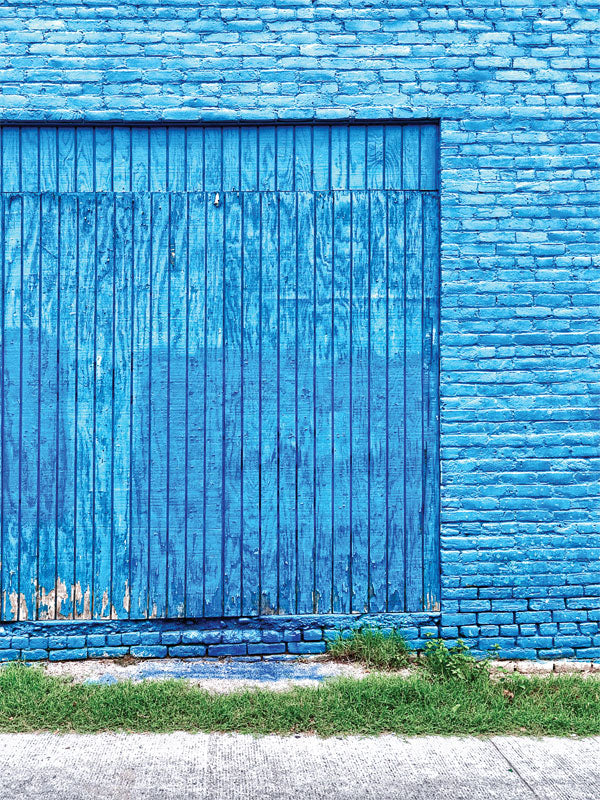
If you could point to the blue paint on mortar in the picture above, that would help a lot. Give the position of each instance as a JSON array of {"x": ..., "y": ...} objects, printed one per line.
[{"x": 516, "y": 88}]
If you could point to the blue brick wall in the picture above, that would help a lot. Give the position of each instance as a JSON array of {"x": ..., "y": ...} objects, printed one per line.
[{"x": 516, "y": 84}]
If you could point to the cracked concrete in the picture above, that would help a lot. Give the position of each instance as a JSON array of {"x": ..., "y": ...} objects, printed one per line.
[{"x": 160, "y": 767}]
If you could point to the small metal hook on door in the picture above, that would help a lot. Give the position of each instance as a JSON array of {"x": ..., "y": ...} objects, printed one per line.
[{"x": 217, "y": 199}]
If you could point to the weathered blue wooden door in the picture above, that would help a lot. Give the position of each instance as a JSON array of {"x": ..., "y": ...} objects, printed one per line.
[{"x": 223, "y": 402}]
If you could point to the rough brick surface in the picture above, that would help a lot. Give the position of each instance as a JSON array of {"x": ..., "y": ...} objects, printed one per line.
[{"x": 516, "y": 84}]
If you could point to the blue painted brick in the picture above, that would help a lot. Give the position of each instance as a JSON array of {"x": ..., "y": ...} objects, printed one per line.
[
  {"x": 107, "y": 652},
  {"x": 227, "y": 650},
  {"x": 34, "y": 655},
  {"x": 187, "y": 650},
  {"x": 148, "y": 651},
  {"x": 306, "y": 648},
  {"x": 519, "y": 274},
  {"x": 73, "y": 654},
  {"x": 266, "y": 649},
  {"x": 272, "y": 636},
  {"x": 312, "y": 635}
]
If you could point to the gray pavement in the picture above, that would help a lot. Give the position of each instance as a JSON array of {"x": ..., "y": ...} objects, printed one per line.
[{"x": 181, "y": 765}]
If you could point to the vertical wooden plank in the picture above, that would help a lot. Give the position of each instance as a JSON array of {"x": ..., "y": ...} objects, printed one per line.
[
  {"x": 213, "y": 159},
  {"x": 140, "y": 159},
  {"x": 121, "y": 159},
  {"x": 158, "y": 159},
  {"x": 414, "y": 402},
  {"x": 194, "y": 159},
  {"x": 232, "y": 387},
  {"x": 67, "y": 325},
  {"x": 285, "y": 158},
  {"x": 11, "y": 395},
  {"x": 378, "y": 400},
  {"x": 339, "y": 157},
  {"x": 48, "y": 159},
  {"x": 395, "y": 404},
  {"x": 321, "y": 158},
  {"x": 84, "y": 143},
  {"x": 375, "y": 157},
  {"x": 429, "y": 157},
  {"x": 303, "y": 158},
  {"x": 267, "y": 179},
  {"x": 30, "y": 153},
  {"x": 431, "y": 488},
  {"x": 213, "y": 562},
  {"x": 305, "y": 348},
  {"x": 47, "y": 476},
  {"x": 231, "y": 159},
  {"x": 249, "y": 158},
  {"x": 250, "y": 402},
  {"x": 357, "y": 161},
  {"x": 140, "y": 407},
  {"x": 287, "y": 404},
  {"x": 393, "y": 157},
  {"x": 103, "y": 404},
  {"x": 103, "y": 166},
  {"x": 410, "y": 156},
  {"x": 84, "y": 456},
  {"x": 177, "y": 522},
  {"x": 341, "y": 403},
  {"x": 176, "y": 143},
  {"x": 31, "y": 443},
  {"x": 323, "y": 405},
  {"x": 122, "y": 443},
  {"x": 196, "y": 365},
  {"x": 159, "y": 410},
  {"x": 268, "y": 397},
  {"x": 359, "y": 408},
  {"x": 11, "y": 159}
]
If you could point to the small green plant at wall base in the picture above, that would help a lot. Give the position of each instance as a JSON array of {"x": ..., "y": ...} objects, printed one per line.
[
  {"x": 453, "y": 663},
  {"x": 375, "y": 649}
]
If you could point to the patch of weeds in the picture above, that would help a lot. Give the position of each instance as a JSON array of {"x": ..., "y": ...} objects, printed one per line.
[
  {"x": 373, "y": 648},
  {"x": 453, "y": 663}
]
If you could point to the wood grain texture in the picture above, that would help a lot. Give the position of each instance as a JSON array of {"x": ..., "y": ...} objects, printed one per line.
[{"x": 219, "y": 403}]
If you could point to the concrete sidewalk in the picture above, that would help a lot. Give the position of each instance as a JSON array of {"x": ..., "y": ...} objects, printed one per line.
[{"x": 228, "y": 767}]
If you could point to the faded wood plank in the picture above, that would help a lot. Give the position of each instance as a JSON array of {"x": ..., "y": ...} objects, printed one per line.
[
  {"x": 321, "y": 158},
  {"x": 431, "y": 412},
  {"x": 84, "y": 173},
  {"x": 378, "y": 440},
  {"x": 232, "y": 400},
  {"x": 85, "y": 430},
  {"x": 103, "y": 405},
  {"x": 213, "y": 498},
  {"x": 11, "y": 394},
  {"x": 357, "y": 157},
  {"x": 341, "y": 403},
  {"x": 11, "y": 158},
  {"x": 414, "y": 403},
  {"x": 267, "y": 178},
  {"x": 140, "y": 159},
  {"x": 231, "y": 159},
  {"x": 268, "y": 396},
  {"x": 140, "y": 408},
  {"x": 48, "y": 159},
  {"x": 122, "y": 412},
  {"x": 158, "y": 159},
  {"x": 285, "y": 159},
  {"x": 359, "y": 404},
  {"x": 375, "y": 156},
  {"x": 251, "y": 403},
  {"x": 287, "y": 404},
  {"x": 159, "y": 409},
  {"x": 393, "y": 157},
  {"x": 249, "y": 158},
  {"x": 323, "y": 398},
  {"x": 396, "y": 422},
  {"x": 194, "y": 159},
  {"x": 428, "y": 164},
  {"x": 196, "y": 398},
  {"x": 122, "y": 171},
  {"x": 305, "y": 448},
  {"x": 36, "y": 533},
  {"x": 177, "y": 401},
  {"x": 67, "y": 322},
  {"x": 176, "y": 159},
  {"x": 410, "y": 156},
  {"x": 339, "y": 157},
  {"x": 213, "y": 159},
  {"x": 30, "y": 153},
  {"x": 303, "y": 158},
  {"x": 103, "y": 165}
]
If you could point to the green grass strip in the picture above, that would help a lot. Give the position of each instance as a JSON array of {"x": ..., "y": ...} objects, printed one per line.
[{"x": 33, "y": 701}]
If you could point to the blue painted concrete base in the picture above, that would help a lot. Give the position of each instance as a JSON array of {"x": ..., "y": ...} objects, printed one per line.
[{"x": 252, "y": 638}]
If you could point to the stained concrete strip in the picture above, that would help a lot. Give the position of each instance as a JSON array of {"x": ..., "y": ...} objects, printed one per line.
[
  {"x": 215, "y": 675},
  {"x": 236, "y": 767}
]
